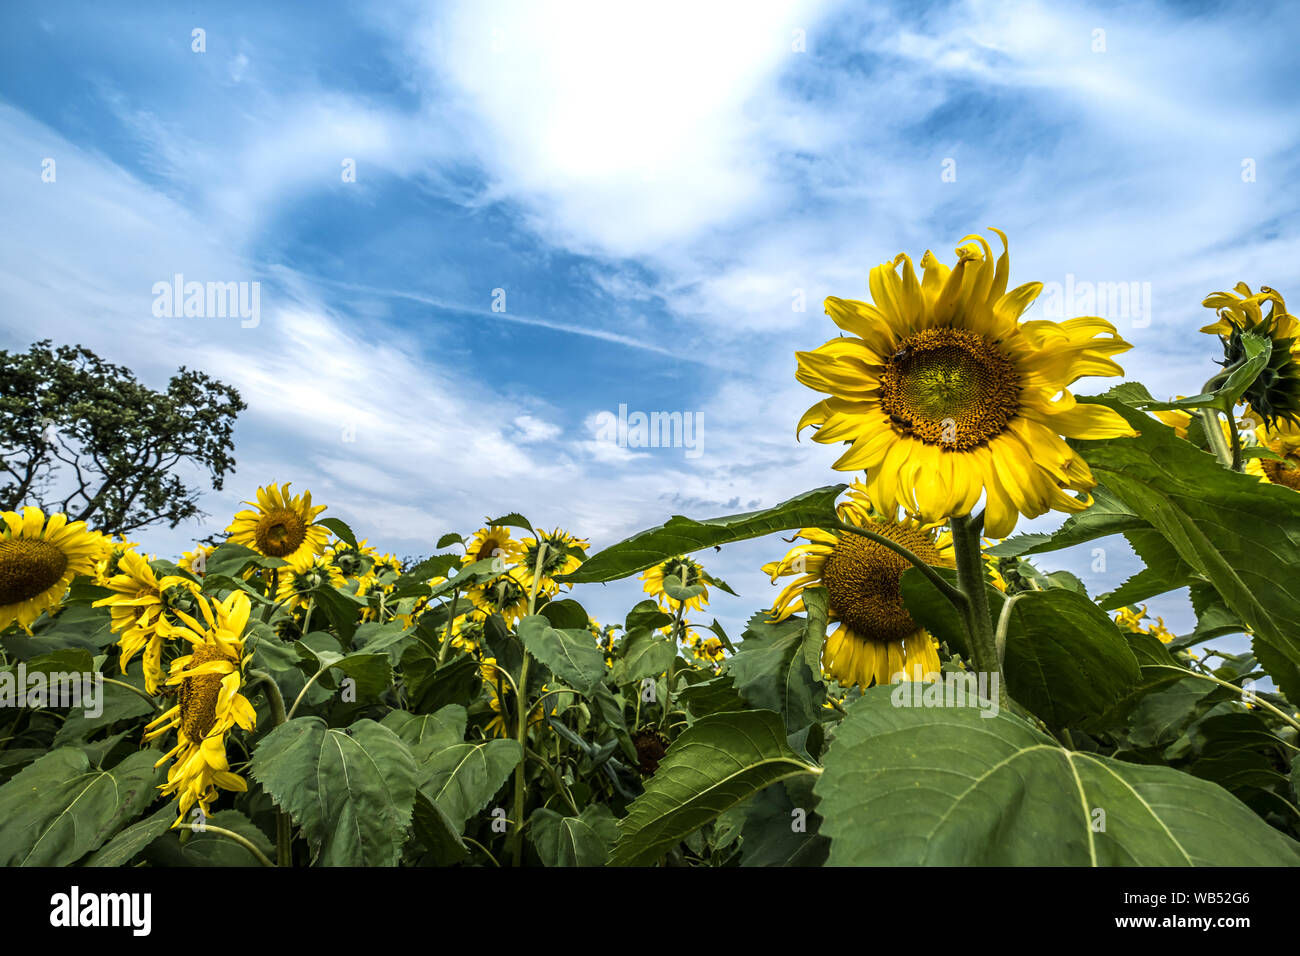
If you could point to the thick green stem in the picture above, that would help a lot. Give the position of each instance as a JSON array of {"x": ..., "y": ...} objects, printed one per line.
[
  {"x": 1237, "y": 463},
  {"x": 283, "y": 825},
  {"x": 970, "y": 578},
  {"x": 521, "y": 700},
  {"x": 451, "y": 620}
]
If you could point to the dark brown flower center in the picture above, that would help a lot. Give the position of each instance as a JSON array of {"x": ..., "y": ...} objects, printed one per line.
[
  {"x": 28, "y": 566},
  {"x": 862, "y": 581},
  {"x": 279, "y": 532},
  {"x": 198, "y": 695},
  {"x": 950, "y": 387}
]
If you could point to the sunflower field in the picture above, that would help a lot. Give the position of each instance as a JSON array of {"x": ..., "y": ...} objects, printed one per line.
[{"x": 921, "y": 686}]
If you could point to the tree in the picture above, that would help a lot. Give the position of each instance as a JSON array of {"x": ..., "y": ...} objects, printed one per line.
[{"x": 82, "y": 436}]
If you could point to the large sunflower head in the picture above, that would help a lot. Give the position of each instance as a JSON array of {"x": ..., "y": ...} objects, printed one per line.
[
  {"x": 492, "y": 542},
  {"x": 944, "y": 394},
  {"x": 209, "y": 703},
  {"x": 1275, "y": 394},
  {"x": 39, "y": 557},
  {"x": 559, "y": 558},
  {"x": 281, "y": 526},
  {"x": 876, "y": 639},
  {"x": 686, "y": 571}
]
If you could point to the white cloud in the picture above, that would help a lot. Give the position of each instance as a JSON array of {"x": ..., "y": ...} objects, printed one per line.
[{"x": 620, "y": 128}]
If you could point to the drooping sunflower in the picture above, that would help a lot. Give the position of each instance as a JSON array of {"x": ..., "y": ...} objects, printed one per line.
[
  {"x": 297, "y": 585},
  {"x": 39, "y": 558},
  {"x": 137, "y": 608},
  {"x": 557, "y": 560},
  {"x": 685, "y": 570},
  {"x": 281, "y": 526},
  {"x": 944, "y": 394},
  {"x": 493, "y": 542},
  {"x": 506, "y": 594},
  {"x": 876, "y": 639},
  {"x": 209, "y": 704},
  {"x": 1275, "y": 394}
]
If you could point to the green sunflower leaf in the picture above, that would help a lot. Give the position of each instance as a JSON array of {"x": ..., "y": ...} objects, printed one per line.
[
  {"x": 1234, "y": 531},
  {"x": 681, "y": 535},
  {"x": 571, "y": 654},
  {"x": 340, "y": 529},
  {"x": 1065, "y": 658},
  {"x": 771, "y": 670},
  {"x": 128, "y": 844},
  {"x": 906, "y": 786},
  {"x": 781, "y": 827},
  {"x": 462, "y": 778},
  {"x": 642, "y": 654},
  {"x": 1105, "y": 516},
  {"x": 59, "y": 807},
  {"x": 574, "y": 841},
  {"x": 1164, "y": 570},
  {"x": 718, "y": 762},
  {"x": 351, "y": 790},
  {"x": 647, "y": 615},
  {"x": 512, "y": 520},
  {"x": 434, "y": 829}
]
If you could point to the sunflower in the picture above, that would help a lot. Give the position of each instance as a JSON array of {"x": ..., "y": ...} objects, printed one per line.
[
  {"x": 196, "y": 561},
  {"x": 39, "y": 557},
  {"x": 107, "y": 565},
  {"x": 943, "y": 393},
  {"x": 1131, "y": 619},
  {"x": 137, "y": 608},
  {"x": 353, "y": 560},
  {"x": 209, "y": 704},
  {"x": 876, "y": 640},
  {"x": 557, "y": 560},
  {"x": 297, "y": 585},
  {"x": 708, "y": 650},
  {"x": 493, "y": 542},
  {"x": 506, "y": 594},
  {"x": 687, "y": 572},
  {"x": 281, "y": 526},
  {"x": 1275, "y": 394}
]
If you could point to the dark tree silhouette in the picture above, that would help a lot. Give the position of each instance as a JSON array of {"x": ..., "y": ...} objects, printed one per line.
[{"x": 82, "y": 436}]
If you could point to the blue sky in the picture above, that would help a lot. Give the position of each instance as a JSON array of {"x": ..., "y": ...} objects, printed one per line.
[{"x": 652, "y": 190}]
